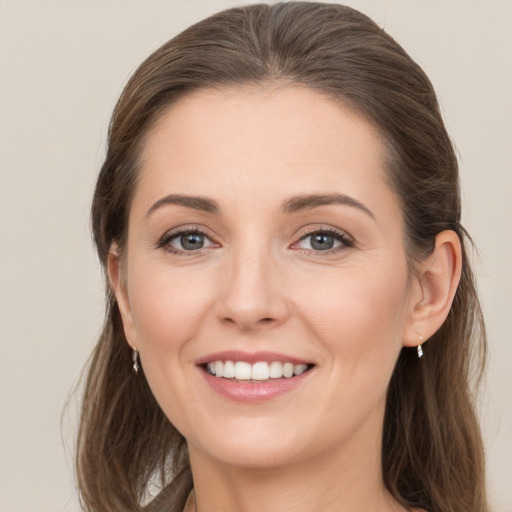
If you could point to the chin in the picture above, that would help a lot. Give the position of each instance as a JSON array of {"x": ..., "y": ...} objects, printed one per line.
[
  {"x": 255, "y": 447},
  {"x": 254, "y": 457}
]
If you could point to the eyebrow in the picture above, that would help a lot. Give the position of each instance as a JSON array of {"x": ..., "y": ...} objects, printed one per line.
[
  {"x": 203, "y": 204},
  {"x": 310, "y": 201},
  {"x": 292, "y": 205}
]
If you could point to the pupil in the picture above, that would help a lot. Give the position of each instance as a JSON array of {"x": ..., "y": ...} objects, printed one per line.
[
  {"x": 322, "y": 242},
  {"x": 192, "y": 241}
]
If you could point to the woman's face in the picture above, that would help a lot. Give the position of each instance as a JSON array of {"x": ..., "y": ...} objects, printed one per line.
[{"x": 263, "y": 230}]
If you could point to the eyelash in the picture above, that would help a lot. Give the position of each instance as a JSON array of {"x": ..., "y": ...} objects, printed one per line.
[
  {"x": 345, "y": 241},
  {"x": 165, "y": 241}
]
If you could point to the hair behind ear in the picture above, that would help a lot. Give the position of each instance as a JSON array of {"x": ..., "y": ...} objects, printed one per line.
[
  {"x": 122, "y": 458},
  {"x": 432, "y": 446}
]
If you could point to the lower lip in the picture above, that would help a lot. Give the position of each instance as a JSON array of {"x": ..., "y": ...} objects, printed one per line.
[{"x": 253, "y": 392}]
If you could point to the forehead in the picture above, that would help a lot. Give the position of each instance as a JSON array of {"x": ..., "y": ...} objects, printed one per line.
[{"x": 269, "y": 140}]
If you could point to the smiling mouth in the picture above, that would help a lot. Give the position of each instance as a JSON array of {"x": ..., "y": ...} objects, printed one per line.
[{"x": 256, "y": 372}]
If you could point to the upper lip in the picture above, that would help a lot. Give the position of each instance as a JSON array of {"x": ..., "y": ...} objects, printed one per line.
[{"x": 250, "y": 357}]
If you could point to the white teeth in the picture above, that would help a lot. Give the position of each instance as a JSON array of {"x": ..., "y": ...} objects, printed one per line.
[
  {"x": 229, "y": 370},
  {"x": 299, "y": 368},
  {"x": 242, "y": 370},
  {"x": 276, "y": 370},
  {"x": 288, "y": 370},
  {"x": 262, "y": 370}
]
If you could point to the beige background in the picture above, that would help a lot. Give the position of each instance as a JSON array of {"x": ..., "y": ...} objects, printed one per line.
[{"x": 62, "y": 66}]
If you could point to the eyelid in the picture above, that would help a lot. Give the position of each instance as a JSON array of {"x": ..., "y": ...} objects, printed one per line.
[{"x": 323, "y": 228}]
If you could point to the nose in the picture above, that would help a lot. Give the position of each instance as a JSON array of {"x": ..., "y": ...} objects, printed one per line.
[{"x": 252, "y": 293}]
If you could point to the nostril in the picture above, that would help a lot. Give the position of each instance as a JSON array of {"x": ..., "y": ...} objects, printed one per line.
[
  {"x": 266, "y": 322},
  {"x": 246, "y": 324}
]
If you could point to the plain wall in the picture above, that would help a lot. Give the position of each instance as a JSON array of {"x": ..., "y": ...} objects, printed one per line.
[{"x": 62, "y": 66}]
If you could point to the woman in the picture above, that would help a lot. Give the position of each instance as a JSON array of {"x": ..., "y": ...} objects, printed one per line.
[{"x": 292, "y": 321}]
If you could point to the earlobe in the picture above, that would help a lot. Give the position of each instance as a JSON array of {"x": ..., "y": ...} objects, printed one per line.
[
  {"x": 435, "y": 287},
  {"x": 117, "y": 281}
]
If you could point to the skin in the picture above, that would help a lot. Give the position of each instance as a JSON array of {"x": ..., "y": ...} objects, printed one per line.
[{"x": 258, "y": 285}]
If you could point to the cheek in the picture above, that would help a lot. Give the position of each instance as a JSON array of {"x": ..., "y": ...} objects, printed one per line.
[
  {"x": 168, "y": 311},
  {"x": 359, "y": 316},
  {"x": 357, "y": 320},
  {"x": 166, "y": 307}
]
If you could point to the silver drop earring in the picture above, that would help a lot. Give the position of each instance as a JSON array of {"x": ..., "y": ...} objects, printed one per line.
[
  {"x": 135, "y": 359},
  {"x": 420, "y": 349}
]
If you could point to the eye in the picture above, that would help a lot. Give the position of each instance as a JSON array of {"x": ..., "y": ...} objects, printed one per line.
[
  {"x": 323, "y": 241},
  {"x": 185, "y": 241}
]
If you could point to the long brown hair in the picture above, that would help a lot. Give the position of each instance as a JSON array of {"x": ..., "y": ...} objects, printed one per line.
[{"x": 432, "y": 450}]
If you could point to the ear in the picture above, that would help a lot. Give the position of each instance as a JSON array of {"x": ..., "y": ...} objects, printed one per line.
[
  {"x": 434, "y": 288},
  {"x": 118, "y": 286}
]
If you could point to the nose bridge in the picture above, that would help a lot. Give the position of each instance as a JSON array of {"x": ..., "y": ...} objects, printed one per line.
[{"x": 252, "y": 293}]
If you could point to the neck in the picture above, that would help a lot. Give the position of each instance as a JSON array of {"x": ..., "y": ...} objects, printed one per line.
[{"x": 348, "y": 480}]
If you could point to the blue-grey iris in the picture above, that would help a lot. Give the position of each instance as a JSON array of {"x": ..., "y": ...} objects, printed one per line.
[
  {"x": 321, "y": 242},
  {"x": 192, "y": 241}
]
